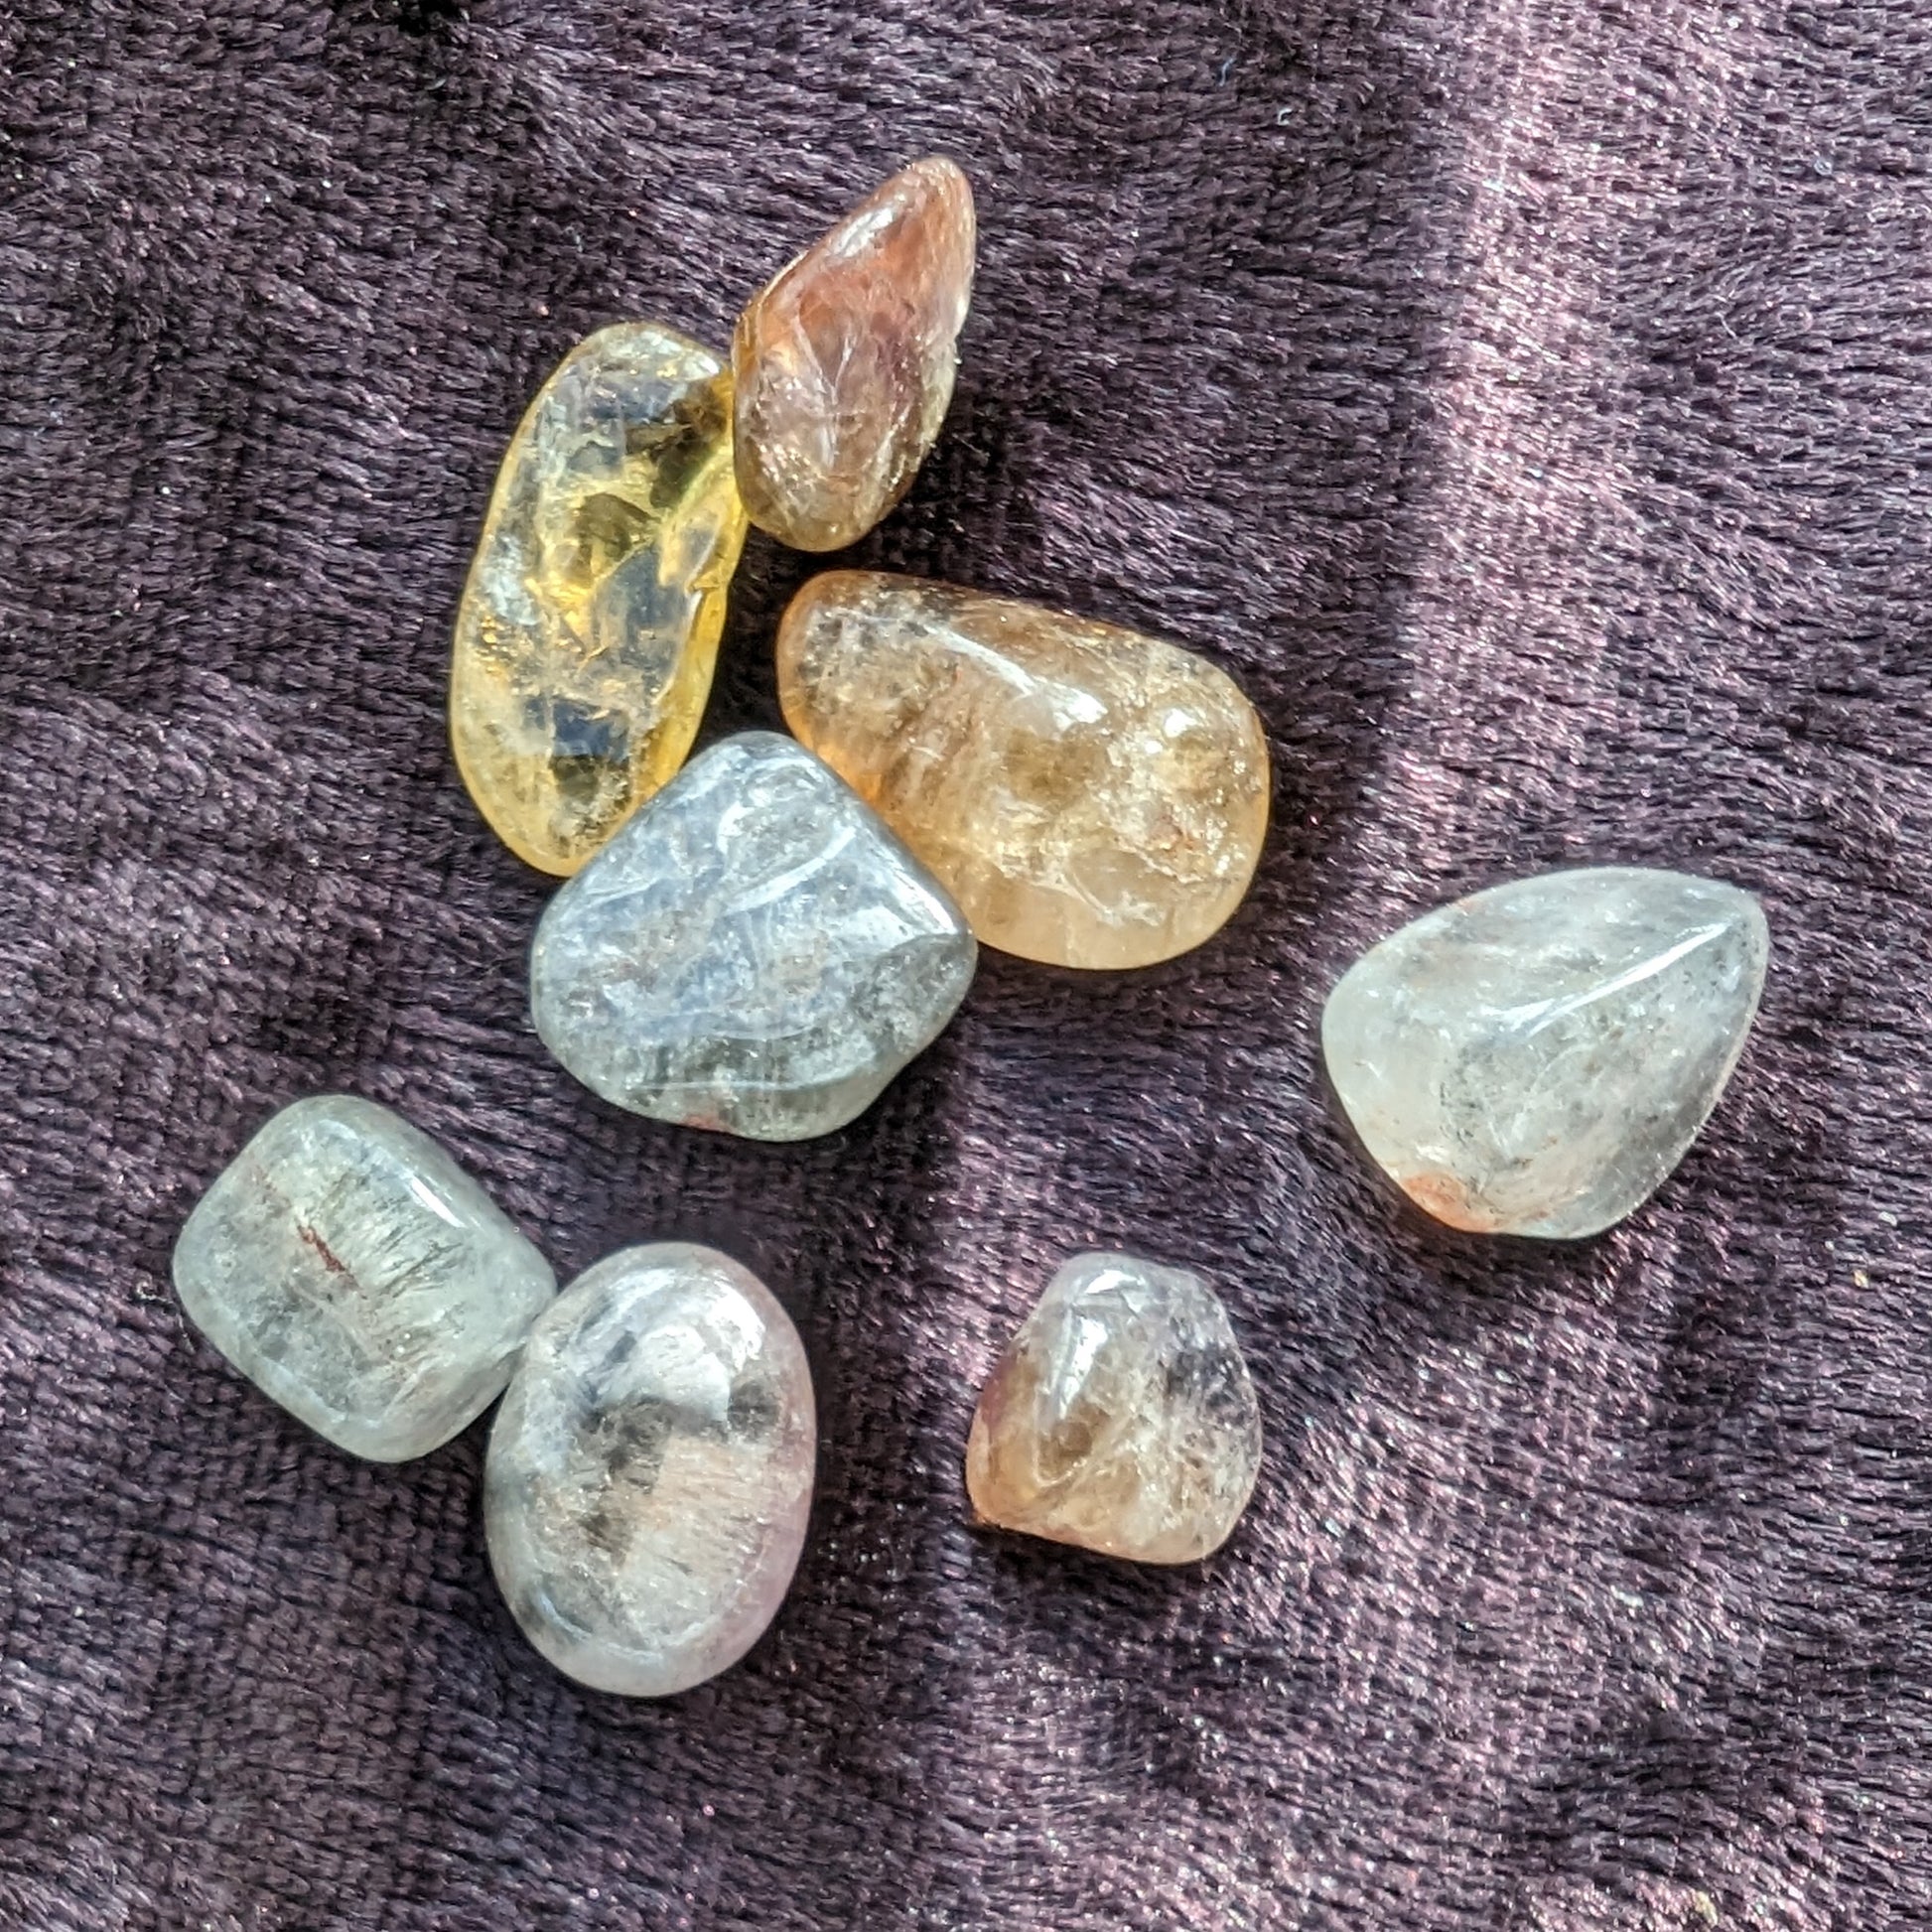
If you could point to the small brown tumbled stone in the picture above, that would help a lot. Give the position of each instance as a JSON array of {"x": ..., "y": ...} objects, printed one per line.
[
  {"x": 843, "y": 363},
  {"x": 1120, "y": 1418}
]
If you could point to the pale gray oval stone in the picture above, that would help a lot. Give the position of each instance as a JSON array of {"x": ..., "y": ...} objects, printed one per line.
[
  {"x": 753, "y": 951},
  {"x": 1535, "y": 1058},
  {"x": 650, "y": 1470},
  {"x": 356, "y": 1274}
]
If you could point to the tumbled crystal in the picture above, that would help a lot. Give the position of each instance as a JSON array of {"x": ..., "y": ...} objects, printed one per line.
[
  {"x": 1535, "y": 1058},
  {"x": 355, "y": 1274},
  {"x": 650, "y": 1470},
  {"x": 1121, "y": 1417},
  {"x": 843, "y": 363},
  {"x": 589, "y": 627},
  {"x": 1088, "y": 796},
  {"x": 754, "y": 951}
]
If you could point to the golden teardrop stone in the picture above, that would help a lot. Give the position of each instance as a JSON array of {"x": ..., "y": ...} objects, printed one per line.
[
  {"x": 590, "y": 624},
  {"x": 1089, "y": 796},
  {"x": 843, "y": 363}
]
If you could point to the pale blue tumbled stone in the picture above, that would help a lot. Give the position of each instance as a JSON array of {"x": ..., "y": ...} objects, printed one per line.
[
  {"x": 1535, "y": 1058},
  {"x": 356, "y": 1274},
  {"x": 753, "y": 951}
]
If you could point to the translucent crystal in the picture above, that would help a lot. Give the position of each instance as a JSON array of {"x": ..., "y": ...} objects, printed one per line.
[
  {"x": 348, "y": 1268},
  {"x": 754, "y": 952},
  {"x": 1088, "y": 796},
  {"x": 589, "y": 627},
  {"x": 1121, "y": 1417},
  {"x": 650, "y": 1470},
  {"x": 1535, "y": 1059},
  {"x": 843, "y": 363}
]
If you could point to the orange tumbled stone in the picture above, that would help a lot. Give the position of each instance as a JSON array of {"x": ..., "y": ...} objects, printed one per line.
[
  {"x": 843, "y": 363},
  {"x": 1088, "y": 796}
]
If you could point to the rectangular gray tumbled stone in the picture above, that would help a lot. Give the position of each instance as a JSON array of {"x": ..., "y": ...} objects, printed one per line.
[{"x": 360, "y": 1278}]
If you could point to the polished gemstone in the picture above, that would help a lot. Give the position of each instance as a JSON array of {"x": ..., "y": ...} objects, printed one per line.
[
  {"x": 1535, "y": 1059},
  {"x": 1090, "y": 796},
  {"x": 650, "y": 1470},
  {"x": 1121, "y": 1417},
  {"x": 589, "y": 627},
  {"x": 348, "y": 1268},
  {"x": 754, "y": 951},
  {"x": 843, "y": 363}
]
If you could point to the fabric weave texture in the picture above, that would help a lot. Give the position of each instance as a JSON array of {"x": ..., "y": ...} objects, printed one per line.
[{"x": 1530, "y": 403}]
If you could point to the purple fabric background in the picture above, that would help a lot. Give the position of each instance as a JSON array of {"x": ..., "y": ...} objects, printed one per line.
[{"x": 1531, "y": 402}]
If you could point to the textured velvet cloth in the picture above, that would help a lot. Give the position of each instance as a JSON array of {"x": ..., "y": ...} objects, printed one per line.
[{"x": 1531, "y": 402}]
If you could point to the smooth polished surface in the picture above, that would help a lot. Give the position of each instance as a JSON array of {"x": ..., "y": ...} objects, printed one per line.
[
  {"x": 1089, "y": 796},
  {"x": 589, "y": 627},
  {"x": 650, "y": 1470},
  {"x": 754, "y": 952},
  {"x": 1535, "y": 1058},
  {"x": 348, "y": 1268},
  {"x": 843, "y": 363},
  {"x": 1538, "y": 398},
  {"x": 1121, "y": 1417}
]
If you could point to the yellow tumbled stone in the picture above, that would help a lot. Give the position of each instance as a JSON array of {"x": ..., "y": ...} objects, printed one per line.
[
  {"x": 1089, "y": 796},
  {"x": 589, "y": 627}
]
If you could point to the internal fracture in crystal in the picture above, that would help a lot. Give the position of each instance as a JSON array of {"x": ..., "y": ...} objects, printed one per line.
[
  {"x": 650, "y": 1470},
  {"x": 1536, "y": 1058},
  {"x": 754, "y": 952},
  {"x": 1120, "y": 1418},
  {"x": 356, "y": 1274},
  {"x": 1088, "y": 796},
  {"x": 843, "y": 363},
  {"x": 589, "y": 627}
]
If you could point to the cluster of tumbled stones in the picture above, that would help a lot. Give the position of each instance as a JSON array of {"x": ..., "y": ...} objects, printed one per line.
[
  {"x": 1069, "y": 790},
  {"x": 756, "y": 941},
  {"x": 649, "y": 1473}
]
